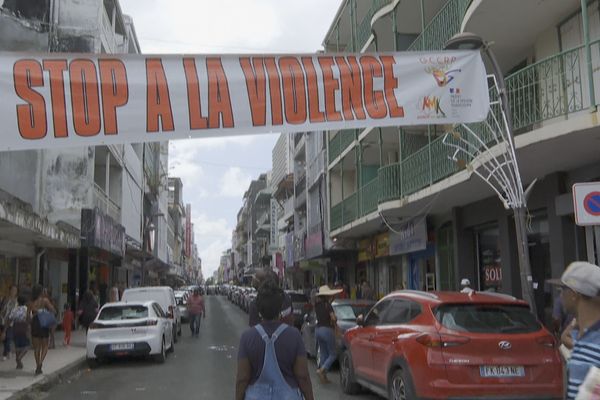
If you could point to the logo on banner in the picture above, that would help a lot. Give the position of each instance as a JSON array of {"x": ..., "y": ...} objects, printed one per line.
[
  {"x": 430, "y": 107},
  {"x": 457, "y": 100}
]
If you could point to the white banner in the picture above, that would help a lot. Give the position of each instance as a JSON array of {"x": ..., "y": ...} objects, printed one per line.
[{"x": 54, "y": 100}]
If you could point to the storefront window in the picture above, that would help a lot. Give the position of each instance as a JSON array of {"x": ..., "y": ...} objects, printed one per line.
[{"x": 490, "y": 262}]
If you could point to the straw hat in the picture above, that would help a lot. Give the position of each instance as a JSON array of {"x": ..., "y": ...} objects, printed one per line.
[{"x": 325, "y": 290}]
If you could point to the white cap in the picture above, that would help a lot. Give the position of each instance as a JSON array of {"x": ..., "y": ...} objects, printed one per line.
[
  {"x": 582, "y": 277},
  {"x": 465, "y": 282}
]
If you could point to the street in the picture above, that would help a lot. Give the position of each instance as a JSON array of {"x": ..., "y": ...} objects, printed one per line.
[{"x": 202, "y": 368}]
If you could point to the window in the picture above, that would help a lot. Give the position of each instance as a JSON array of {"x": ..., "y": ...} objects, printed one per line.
[
  {"x": 376, "y": 313},
  {"x": 487, "y": 318},
  {"x": 122, "y": 313},
  {"x": 401, "y": 312},
  {"x": 158, "y": 310}
]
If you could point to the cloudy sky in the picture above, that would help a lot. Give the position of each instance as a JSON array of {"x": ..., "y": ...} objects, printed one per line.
[{"x": 216, "y": 172}]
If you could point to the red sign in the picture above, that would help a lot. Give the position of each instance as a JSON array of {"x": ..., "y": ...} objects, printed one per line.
[{"x": 493, "y": 274}]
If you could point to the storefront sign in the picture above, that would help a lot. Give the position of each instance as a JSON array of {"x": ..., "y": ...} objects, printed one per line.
[
  {"x": 365, "y": 250},
  {"x": 314, "y": 244},
  {"x": 382, "y": 245},
  {"x": 411, "y": 237},
  {"x": 57, "y": 100},
  {"x": 492, "y": 275},
  {"x": 101, "y": 231}
]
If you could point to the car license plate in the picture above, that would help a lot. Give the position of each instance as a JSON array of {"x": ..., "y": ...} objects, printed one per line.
[
  {"x": 501, "y": 371},
  {"x": 121, "y": 346}
]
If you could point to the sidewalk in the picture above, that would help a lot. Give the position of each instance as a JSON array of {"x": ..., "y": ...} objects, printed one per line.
[{"x": 58, "y": 361}]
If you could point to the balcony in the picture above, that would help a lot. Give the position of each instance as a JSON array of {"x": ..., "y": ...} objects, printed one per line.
[
  {"x": 316, "y": 168},
  {"x": 340, "y": 142},
  {"x": 446, "y": 23},
  {"x": 555, "y": 87},
  {"x": 364, "y": 28},
  {"x": 106, "y": 205}
]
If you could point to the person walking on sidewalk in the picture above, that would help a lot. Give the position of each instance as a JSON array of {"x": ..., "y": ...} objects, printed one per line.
[
  {"x": 9, "y": 304},
  {"x": 20, "y": 325},
  {"x": 272, "y": 362},
  {"x": 325, "y": 333},
  {"x": 88, "y": 308},
  {"x": 40, "y": 332},
  {"x": 67, "y": 323},
  {"x": 195, "y": 305}
]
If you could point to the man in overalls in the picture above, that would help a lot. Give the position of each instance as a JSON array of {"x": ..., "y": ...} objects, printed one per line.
[{"x": 272, "y": 362}]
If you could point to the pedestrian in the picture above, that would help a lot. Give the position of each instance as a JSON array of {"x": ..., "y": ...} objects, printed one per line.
[
  {"x": 325, "y": 332},
  {"x": 20, "y": 324},
  {"x": 465, "y": 286},
  {"x": 272, "y": 363},
  {"x": 67, "y": 323},
  {"x": 88, "y": 308},
  {"x": 8, "y": 305},
  {"x": 40, "y": 311},
  {"x": 286, "y": 314},
  {"x": 48, "y": 295},
  {"x": 560, "y": 317},
  {"x": 196, "y": 309},
  {"x": 580, "y": 285}
]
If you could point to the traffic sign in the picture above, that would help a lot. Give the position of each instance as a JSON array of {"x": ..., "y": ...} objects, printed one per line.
[{"x": 586, "y": 201}]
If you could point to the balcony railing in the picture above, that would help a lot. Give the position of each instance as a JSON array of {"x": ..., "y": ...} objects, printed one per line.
[
  {"x": 442, "y": 27},
  {"x": 363, "y": 31},
  {"x": 551, "y": 88},
  {"x": 369, "y": 197},
  {"x": 105, "y": 204},
  {"x": 316, "y": 168},
  {"x": 340, "y": 142}
]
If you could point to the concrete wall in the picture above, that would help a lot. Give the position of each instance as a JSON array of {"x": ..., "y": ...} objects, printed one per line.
[
  {"x": 18, "y": 35},
  {"x": 131, "y": 206},
  {"x": 67, "y": 183},
  {"x": 18, "y": 175}
]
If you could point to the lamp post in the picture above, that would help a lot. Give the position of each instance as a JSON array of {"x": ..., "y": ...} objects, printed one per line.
[
  {"x": 505, "y": 179},
  {"x": 148, "y": 228}
]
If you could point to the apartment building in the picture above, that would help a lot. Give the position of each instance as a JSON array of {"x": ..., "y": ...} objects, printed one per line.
[{"x": 422, "y": 221}]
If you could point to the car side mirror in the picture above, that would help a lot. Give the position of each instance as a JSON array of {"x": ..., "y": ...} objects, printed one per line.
[{"x": 360, "y": 320}]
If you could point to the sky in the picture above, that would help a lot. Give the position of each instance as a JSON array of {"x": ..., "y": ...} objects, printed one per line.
[{"x": 217, "y": 171}]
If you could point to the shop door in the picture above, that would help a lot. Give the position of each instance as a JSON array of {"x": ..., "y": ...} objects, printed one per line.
[
  {"x": 489, "y": 260},
  {"x": 539, "y": 258},
  {"x": 447, "y": 271}
]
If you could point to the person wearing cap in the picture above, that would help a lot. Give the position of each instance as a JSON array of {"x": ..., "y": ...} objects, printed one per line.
[
  {"x": 465, "y": 286},
  {"x": 325, "y": 332},
  {"x": 580, "y": 293}
]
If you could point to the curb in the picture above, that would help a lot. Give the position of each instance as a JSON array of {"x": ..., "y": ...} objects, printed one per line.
[{"x": 50, "y": 380}]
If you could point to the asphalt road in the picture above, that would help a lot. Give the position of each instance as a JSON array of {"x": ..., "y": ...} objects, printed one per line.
[{"x": 200, "y": 368}]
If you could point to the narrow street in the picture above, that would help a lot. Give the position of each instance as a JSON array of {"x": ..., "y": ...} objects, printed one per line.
[{"x": 202, "y": 368}]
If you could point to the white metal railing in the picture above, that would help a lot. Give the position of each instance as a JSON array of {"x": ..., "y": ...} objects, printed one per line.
[
  {"x": 316, "y": 168},
  {"x": 105, "y": 204}
]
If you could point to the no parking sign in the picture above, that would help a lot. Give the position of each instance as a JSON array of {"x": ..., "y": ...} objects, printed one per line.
[{"x": 586, "y": 201}]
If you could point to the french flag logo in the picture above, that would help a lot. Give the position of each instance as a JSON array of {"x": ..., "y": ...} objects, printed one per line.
[{"x": 454, "y": 91}]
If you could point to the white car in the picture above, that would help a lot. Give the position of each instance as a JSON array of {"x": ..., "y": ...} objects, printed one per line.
[
  {"x": 130, "y": 329},
  {"x": 164, "y": 296}
]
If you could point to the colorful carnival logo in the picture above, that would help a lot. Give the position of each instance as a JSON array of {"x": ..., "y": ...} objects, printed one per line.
[
  {"x": 430, "y": 106},
  {"x": 442, "y": 75}
]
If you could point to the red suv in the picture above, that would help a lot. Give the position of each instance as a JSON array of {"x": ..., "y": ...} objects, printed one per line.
[{"x": 447, "y": 345}]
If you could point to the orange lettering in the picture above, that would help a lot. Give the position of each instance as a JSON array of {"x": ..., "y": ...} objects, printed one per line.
[
  {"x": 315, "y": 114},
  {"x": 256, "y": 85},
  {"x": 31, "y": 117},
  {"x": 390, "y": 83},
  {"x": 374, "y": 100},
  {"x": 331, "y": 85},
  {"x": 219, "y": 102},
  {"x": 56, "y": 69},
  {"x": 85, "y": 98},
  {"x": 351, "y": 88},
  {"x": 158, "y": 101},
  {"x": 115, "y": 92},
  {"x": 294, "y": 91},
  {"x": 274, "y": 91},
  {"x": 197, "y": 121}
]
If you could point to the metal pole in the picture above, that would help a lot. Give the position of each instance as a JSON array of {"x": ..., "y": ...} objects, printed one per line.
[
  {"x": 142, "y": 280},
  {"x": 588, "y": 53},
  {"x": 523, "y": 252}
]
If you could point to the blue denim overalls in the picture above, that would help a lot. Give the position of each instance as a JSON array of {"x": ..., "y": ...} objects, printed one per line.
[{"x": 271, "y": 385}]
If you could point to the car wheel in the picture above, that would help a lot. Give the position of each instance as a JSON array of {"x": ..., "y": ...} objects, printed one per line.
[
  {"x": 172, "y": 348},
  {"x": 175, "y": 339},
  {"x": 92, "y": 363},
  {"x": 162, "y": 356},
  {"x": 347, "y": 379},
  {"x": 400, "y": 387}
]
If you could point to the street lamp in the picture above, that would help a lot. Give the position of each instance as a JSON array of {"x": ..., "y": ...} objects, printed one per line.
[
  {"x": 148, "y": 227},
  {"x": 500, "y": 171}
]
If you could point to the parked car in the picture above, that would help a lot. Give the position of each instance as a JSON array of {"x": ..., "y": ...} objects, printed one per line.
[
  {"x": 164, "y": 296},
  {"x": 300, "y": 306},
  {"x": 442, "y": 345},
  {"x": 130, "y": 329},
  {"x": 346, "y": 312},
  {"x": 249, "y": 296},
  {"x": 181, "y": 296}
]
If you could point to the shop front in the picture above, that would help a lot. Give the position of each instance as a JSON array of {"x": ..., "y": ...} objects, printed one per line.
[{"x": 414, "y": 257}]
